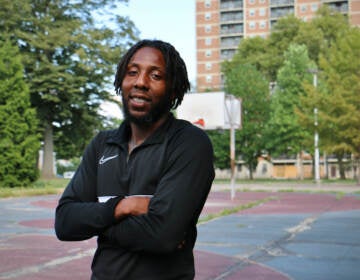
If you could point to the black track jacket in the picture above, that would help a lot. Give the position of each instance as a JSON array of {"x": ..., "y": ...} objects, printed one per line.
[{"x": 175, "y": 165}]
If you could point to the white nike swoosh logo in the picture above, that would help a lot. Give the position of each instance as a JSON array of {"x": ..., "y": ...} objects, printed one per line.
[{"x": 105, "y": 159}]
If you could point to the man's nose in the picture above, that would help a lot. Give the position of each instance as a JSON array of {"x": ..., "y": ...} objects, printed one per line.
[{"x": 142, "y": 81}]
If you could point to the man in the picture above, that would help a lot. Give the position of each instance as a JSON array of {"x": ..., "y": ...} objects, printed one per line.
[{"x": 141, "y": 188}]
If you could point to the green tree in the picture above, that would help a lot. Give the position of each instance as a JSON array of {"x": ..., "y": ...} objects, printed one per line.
[
  {"x": 267, "y": 55},
  {"x": 221, "y": 141},
  {"x": 253, "y": 51},
  {"x": 246, "y": 82},
  {"x": 320, "y": 33},
  {"x": 338, "y": 99},
  {"x": 19, "y": 141},
  {"x": 69, "y": 62},
  {"x": 285, "y": 135},
  {"x": 321, "y": 37}
]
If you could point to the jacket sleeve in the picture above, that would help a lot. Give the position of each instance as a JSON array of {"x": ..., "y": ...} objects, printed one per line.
[
  {"x": 178, "y": 201},
  {"x": 78, "y": 215}
]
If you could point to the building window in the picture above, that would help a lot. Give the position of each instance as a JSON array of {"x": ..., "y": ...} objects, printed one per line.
[
  {"x": 252, "y": 24},
  {"x": 251, "y": 2},
  {"x": 262, "y": 24},
  {"x": 207, "y": 16},
  {"x": 208, "y": 79},
  {"x": 303, "y": 8},
  {"x": 208, "y": 41},
  {"x": 207, "y": 28},
  {"x": 264, "y": 168},
  {"x": 208, "y": 53},
  {"x": 262, "y": 1},
  {"x": 314, "y": 7},
  {"x": 207, "y": 3},
  {"x": 208, "y": 66},
  {"x": 262, "y": 12},
  {"x": 252, "y": 12}
]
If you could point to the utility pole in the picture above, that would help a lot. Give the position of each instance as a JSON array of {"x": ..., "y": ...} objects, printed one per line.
[{"x": 316, "y": 134}]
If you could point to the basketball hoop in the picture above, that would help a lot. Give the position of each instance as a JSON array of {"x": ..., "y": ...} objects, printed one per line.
[
  {"x": 221, "y": 111},
  {"x": 211, "y": 110},
  {"x": 200, "y": 122}
]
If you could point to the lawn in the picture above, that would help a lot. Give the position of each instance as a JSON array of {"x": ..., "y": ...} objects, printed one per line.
[{"x": 40, "y": 187}]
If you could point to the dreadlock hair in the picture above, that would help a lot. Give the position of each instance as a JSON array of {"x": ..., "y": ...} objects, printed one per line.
[{"x": 176, "y": 78}]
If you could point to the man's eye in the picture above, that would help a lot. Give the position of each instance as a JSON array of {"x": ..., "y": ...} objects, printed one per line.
[
  {"x": 132, "y": 73},
  {"x": 156, "y": 76}
]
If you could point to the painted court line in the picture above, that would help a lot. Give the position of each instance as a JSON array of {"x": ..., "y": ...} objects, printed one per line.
[{"x": 38, "y": 268}]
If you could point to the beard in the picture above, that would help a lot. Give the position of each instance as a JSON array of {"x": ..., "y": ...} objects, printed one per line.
[{"x": 156, "y": 111}]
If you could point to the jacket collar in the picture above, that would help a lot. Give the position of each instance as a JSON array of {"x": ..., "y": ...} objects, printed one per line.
[{"x": 121, "y": 135}]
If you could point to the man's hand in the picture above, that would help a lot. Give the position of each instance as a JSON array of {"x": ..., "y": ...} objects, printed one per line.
[{"x": 132, "y": 205}]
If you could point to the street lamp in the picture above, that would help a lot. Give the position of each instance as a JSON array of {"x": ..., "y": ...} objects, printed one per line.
[{"x": 316, "y": 134}]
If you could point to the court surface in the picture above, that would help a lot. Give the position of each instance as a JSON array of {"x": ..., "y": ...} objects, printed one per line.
[{"x": 285, "y": 235}]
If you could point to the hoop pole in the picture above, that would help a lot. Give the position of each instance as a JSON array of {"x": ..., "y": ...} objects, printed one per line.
[{"x": 232, "y": 160}]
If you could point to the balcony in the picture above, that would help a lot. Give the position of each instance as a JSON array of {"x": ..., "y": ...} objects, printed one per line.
[
  {"x": 231, "y": 17},
  {"x": 333, "y": 1},
  {"x": 281, "y": 3},
  {"x": 231, "y": 5},
  {"x": 228, "y": 29},
  {"x": 230, "y": 42},
  {"x": 339, "y": 7},
  {"x": 227, "y": 54},
  {"x": 278, "y": 13}
]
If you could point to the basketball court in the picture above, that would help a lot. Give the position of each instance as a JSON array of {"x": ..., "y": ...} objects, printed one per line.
[{"x": 284, "y": 236}]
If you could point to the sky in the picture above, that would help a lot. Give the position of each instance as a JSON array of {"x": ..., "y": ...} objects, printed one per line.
[{"x": 168, "y": 20}]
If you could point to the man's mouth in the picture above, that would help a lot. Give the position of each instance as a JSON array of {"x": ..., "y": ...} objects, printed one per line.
[{"x": 139, "y": 100}]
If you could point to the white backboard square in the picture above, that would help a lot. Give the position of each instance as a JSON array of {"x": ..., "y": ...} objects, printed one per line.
[{"x": 211, "y": 110}]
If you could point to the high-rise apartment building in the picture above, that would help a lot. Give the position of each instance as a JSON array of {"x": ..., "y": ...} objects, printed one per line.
[{"x": 222, "y": 24}]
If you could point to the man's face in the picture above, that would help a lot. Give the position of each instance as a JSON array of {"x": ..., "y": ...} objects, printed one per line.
[{"x": 144, "y": 87}]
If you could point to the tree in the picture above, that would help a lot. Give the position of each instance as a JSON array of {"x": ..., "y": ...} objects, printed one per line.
[
  {"x": 69, "y": 62},
  {"x": 272, "y": 57},
  {"x": 19, "y": 141},
  {"x": 267, "y": 55},
  {"x": 283, "y": 34},
  {"x": 220, "y": 140},
  {"x": 246, "y": 82},
  {"x": 321, "y": 32},
  {"x": 338, "y": 100},
  {"x": 253, "y": 51},
  {"x": 285, "y": 135}
]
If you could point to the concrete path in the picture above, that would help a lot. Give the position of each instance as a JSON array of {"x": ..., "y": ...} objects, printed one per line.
[{"x": 284, "y": 236}]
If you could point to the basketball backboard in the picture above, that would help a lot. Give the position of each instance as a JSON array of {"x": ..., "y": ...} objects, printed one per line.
[{"x": 211, "y": 110}]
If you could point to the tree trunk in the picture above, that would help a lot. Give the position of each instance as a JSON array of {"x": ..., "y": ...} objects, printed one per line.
[
  {"x": 47, "y": 171},
  {"x": 300, "y": 166},
  {"x": 251, "y": 173},
  {"x": 357, "y": 170},
  {"x": 341, "y": 167},
  {"x": 326, "y": 166}
]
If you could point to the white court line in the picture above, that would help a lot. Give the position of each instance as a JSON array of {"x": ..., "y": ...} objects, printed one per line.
[{"x": 40, "y": 267}]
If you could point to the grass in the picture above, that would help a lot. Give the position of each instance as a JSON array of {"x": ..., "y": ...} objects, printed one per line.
[
  {"x": 292, "y": 181},
  {"x": 56, "y": 186},
  {"x": 40, "y": 187},
  {"x": 235, "y": 209}
]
